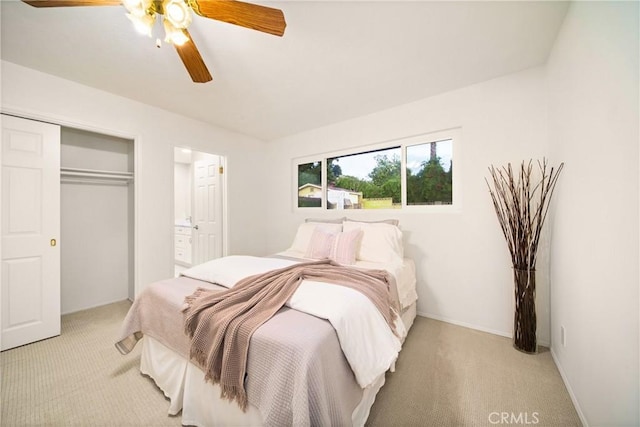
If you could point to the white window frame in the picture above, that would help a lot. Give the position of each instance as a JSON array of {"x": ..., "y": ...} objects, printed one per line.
[{"x": 455, "y": 134}]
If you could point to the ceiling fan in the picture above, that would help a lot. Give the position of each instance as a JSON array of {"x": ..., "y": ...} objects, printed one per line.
[{"x": 176, "y": 17}]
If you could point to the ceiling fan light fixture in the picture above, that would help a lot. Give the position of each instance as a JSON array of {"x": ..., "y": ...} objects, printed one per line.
[
  {"x": 142, "y": 23},
  {"x": 137, "y": 7},
  {"x": 177, "y": 12},
  {"x": 174, "y": 35}
]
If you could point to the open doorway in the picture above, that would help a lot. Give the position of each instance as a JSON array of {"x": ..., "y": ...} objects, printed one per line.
[{"x": 198, "y": 207}]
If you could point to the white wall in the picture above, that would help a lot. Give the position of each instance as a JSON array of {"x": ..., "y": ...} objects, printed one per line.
[
  {"x": 463, "y": 266},
  {"x": 36, "y": 95},
  {"x": 182, "y": 191},
  {"x": 95, "y": 247},
  {"x": 593, "y": 128}
]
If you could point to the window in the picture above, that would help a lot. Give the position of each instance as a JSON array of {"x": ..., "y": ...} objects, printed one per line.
[
  {"x": 370, "y": 180},
  {"x": 310, "y": 185},
  {"x": 413, "y": 173},
  {"x": 430, "y": 173}
]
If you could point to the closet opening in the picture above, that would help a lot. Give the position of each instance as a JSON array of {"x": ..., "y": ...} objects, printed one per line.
[
  {"x": 68, "y": 225},
  {"x": 198, "y": 207},
  {"x": 97, "y": 219}
]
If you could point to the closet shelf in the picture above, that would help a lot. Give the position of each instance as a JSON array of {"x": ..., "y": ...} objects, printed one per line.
[{"x": 95, "y": 176}]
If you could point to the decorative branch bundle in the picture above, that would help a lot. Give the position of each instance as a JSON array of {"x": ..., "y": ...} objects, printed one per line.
[
  {"x": 521, "y": 222},
  {"x": 522, "y": 210}
]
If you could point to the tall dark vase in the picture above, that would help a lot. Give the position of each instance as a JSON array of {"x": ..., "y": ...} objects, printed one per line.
[{"x": 525, "y": 322}]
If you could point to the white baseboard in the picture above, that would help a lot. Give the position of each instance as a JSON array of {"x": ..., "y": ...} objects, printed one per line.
[
  {"x": 583, "y": 419},
  {"x": 543, "y": 343},
  {"x": 96, "y": 305}
]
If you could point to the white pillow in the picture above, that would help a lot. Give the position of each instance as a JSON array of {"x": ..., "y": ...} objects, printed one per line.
[
  {"x": 305, "y": 230},
  {"x": 380, "y": 242}
]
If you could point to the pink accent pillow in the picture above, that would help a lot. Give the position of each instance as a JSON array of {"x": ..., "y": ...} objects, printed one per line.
[
  {"x": 340, "y": 247},
  {"x": 320, "y": 244},
  {"x": 345, "y": 247}
]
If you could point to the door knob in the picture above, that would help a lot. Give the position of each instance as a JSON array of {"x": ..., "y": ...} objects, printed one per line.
[
  {"x": 195, "y": 226},
  {"x": 52, "y": 242}
]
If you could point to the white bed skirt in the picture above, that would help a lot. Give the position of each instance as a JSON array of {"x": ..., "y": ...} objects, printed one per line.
[{"x": 183, "y": 383}]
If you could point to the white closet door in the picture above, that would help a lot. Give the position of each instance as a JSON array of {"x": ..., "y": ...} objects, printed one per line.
[
  {"x": 30, "y": 230},
  {"x": 207, "y": 233}
]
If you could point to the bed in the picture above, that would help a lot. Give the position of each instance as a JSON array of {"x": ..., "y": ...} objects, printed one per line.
[{"x": 320, "y": 360}]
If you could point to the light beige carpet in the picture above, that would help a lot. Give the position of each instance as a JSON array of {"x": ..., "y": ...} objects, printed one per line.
[{"x": 446, "y": 376}]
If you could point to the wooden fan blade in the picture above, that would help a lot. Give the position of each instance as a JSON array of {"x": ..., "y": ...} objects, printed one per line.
[
  {"x": 261, "y": 18},
  {"x": 193, "y": 61},
  {"x": 67, "y": 3}
]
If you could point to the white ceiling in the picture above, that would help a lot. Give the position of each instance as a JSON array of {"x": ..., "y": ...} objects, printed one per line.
[{"x": 337, "y": 60}]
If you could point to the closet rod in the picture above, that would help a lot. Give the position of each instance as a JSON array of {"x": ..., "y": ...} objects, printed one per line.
[
  {"x": 73, "y": 180},
  {"x": 90, "y": 173}
]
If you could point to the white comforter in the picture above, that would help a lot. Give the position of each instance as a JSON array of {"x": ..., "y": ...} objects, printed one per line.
[
  {"x": 367, "y": 342},
  {"x": 405, "y": 274}
]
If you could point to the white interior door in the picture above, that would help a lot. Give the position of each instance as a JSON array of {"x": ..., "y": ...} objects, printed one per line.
[
  {"x": 207, "y": 209},
  {"x": 30, "y": 230}
]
